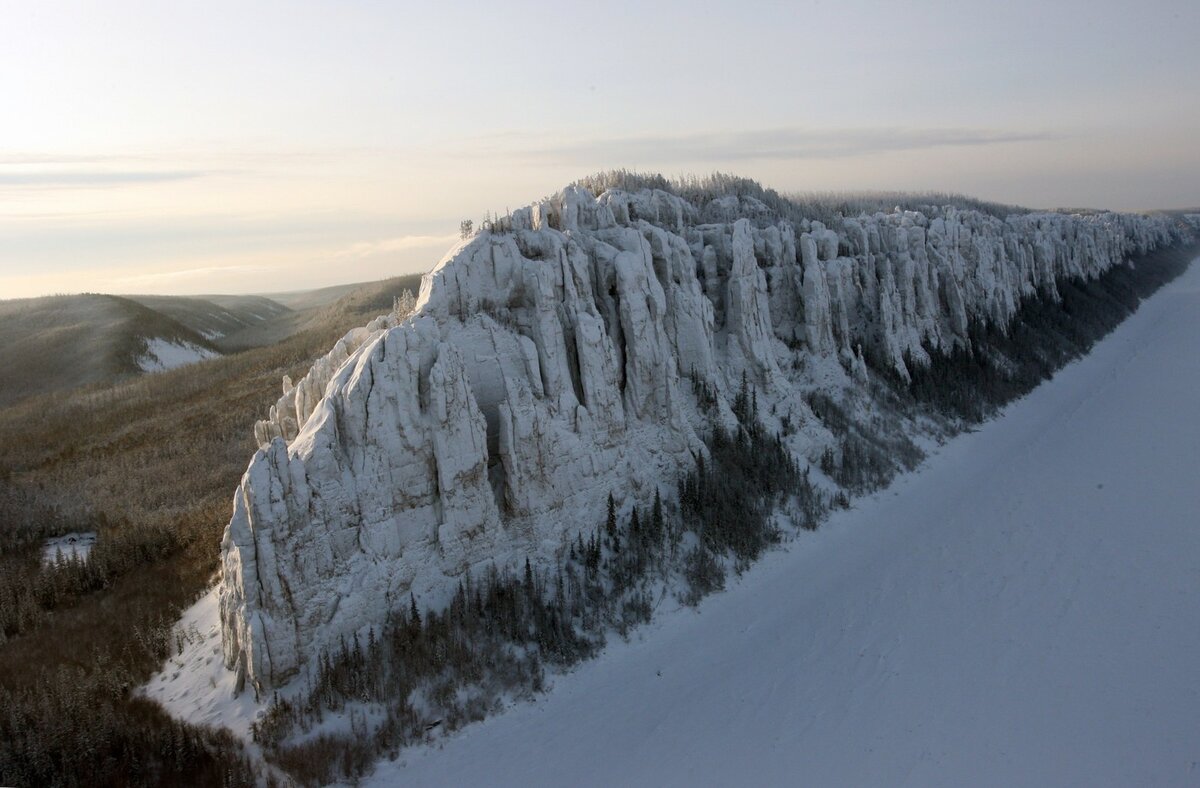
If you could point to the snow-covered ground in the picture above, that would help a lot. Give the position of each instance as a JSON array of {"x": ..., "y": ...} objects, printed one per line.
[
  {"x": 194, "y": 684},
  {"x": 162, "y": 354},
  {"x": 1023, "y": 610},
  {"x": 76, "y": 545}
]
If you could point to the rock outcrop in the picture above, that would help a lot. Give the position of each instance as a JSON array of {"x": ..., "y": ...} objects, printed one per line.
[{"x": 553, "y": 362}]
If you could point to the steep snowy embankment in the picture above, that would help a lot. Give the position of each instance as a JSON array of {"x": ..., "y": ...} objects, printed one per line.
[{"x": 1023, "y": 610}]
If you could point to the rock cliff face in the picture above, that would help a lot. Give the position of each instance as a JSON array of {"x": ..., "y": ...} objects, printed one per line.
[{"x": 554, "y": 362}]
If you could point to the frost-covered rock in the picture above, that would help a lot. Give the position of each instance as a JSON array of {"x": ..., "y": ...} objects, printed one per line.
[
  {"x": 748, "y": 323},
  {"x": 552, "y": 364},
  {"x": 299, "y": 400}
]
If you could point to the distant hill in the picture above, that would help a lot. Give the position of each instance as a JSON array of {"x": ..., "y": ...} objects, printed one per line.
[
  {"x": 146, "y": 464},
  {"x": 309, "y": 299},
  {"x": 58, "y": 343},
  {"x": 318, "y": 309},
  {"x": 63, "y": 342},
  {"x": 218, "y": 316}
]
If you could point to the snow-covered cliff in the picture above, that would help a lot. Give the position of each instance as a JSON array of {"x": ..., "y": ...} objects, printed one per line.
[{"x": 554, "y": 362}]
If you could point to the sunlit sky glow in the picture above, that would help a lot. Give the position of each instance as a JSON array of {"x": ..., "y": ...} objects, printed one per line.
[{"x": 202, "y": 147}]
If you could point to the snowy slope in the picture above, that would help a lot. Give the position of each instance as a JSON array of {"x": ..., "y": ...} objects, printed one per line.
[
  {"x": 216, "y": 316},
  {"x": 163, "y": 354},
  {"x": 57, "y": 343},
  {"x": 193, "y": 683},
  {"x": 1022, "y": 610}
]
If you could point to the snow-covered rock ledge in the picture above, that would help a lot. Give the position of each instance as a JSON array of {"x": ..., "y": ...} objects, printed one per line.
[{"x": 543, "y": 370}]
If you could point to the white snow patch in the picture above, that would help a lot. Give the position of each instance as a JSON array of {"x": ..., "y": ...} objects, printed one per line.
[
  {"x": 194, "y": 685},
  {"x": 162, "y": 354},
  {"x": 76, "y": 545}
]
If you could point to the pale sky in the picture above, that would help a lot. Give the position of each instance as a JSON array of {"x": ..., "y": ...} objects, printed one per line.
[{"x": 228, "y": 147}]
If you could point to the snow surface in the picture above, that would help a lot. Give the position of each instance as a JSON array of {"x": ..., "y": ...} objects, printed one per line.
[
  {"x": 75, "y": 545},
  {"x": 162, "y": 354},
  {"x": 194, "y": 684},
  {"x": 1023, "y": 610}
]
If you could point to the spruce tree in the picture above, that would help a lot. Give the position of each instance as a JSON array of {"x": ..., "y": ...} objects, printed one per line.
[
  {"x": 529, "y": 586},
  {"x": 656, "y": 517}
]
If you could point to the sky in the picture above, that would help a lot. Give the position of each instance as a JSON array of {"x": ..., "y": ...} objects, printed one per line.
[{"x": 235, "y": 147}]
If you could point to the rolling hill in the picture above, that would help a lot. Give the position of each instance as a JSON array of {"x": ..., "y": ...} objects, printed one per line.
[
  {"x": 216, "y": 317},
  {"x": 58, "y": 343}
]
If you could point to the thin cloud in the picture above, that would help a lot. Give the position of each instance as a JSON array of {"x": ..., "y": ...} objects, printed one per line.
[
  {"x": 201, "y": 158},
  {"x": 58, "y": 179},
  {"x": 397, "y": 244},
  {"x": 186, "y": 274},
  {"x": 25, "y": 159},
  {"x": 789, "y": 143}
]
